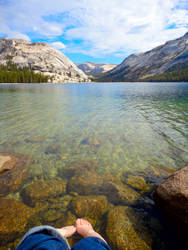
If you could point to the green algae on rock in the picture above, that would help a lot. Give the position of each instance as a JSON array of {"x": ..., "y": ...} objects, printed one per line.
[
  {"x": 35, "y": 139},
  {"x": 137, "y": 182},
  {"x": 86, "y": 184},
  {"x": 85, "y": 181},
  {"x": 124, "y": 230},
  {"x": 42, "y": 190},
  {"x": 89, "y": 206},
  {"x": 77, "y": 168},
  {"x": 66, "y": 219},
  {"x": 54, "y": 203},
  {"x": 15, "y": 170},
  {"x": 53, "y": 149},
  {"x": 118, "y": 193},
  {"x": 156, "y": 173},
  {"x": 91, "y": 141},
  {"x": 51, "y": 215},
  {"x": 14, "y": 219}
]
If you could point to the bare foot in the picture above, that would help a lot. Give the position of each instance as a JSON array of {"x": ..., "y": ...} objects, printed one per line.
[
  {"x": 84, "y": 228},
  {"x": 67, "y": 231}
]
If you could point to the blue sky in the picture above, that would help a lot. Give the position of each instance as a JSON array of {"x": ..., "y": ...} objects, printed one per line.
[{"x": 95, "y": 30}]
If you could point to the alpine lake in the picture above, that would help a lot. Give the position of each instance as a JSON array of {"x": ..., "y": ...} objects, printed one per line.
[{"x": 95, "y": 151}]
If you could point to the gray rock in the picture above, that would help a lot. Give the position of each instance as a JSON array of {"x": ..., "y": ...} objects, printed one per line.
[
  {"x": 171, "y": 197},
  {"x": 91, "y": 68},
  {"x": 42, "y": 59},
  {"x": 173, "y": 54}
]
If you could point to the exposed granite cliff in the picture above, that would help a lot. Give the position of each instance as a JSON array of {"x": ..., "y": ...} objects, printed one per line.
[
  {"x": 41, "y": 58},
  {"x": 173, "y": 55},
  {"x": 91, "y": 68}
]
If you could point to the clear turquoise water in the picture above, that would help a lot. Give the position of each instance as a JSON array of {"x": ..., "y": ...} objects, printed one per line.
[
  {"x": 136, "y": 125},
  {"x": 119, "y": 126}
]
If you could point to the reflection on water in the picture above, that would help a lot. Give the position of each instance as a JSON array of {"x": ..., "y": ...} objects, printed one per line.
[{"x": 120, "y": 127}]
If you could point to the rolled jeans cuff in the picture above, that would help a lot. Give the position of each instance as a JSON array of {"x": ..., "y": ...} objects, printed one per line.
[{"x": 51, "y": 230}]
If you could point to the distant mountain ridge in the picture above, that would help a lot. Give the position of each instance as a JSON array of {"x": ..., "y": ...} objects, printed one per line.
[
  {"x": 171, "y": 56},
  {"x": 41, "y": 58},
  {"x": 91, "y": 68}
]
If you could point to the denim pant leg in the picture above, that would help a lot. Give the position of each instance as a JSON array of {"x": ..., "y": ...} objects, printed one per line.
[
  {"x": 91, "y": 243},
  {"x": 43, "y": 237}
]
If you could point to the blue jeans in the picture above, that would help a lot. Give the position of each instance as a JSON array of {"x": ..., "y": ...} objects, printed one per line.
[{"x": 48, "y": 238}]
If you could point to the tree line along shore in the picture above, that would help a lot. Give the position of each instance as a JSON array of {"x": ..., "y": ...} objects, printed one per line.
[{"x": 11, "y": 73}]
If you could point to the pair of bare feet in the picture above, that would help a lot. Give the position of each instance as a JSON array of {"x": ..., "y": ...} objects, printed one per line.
[{"x": 83, "y": 227}]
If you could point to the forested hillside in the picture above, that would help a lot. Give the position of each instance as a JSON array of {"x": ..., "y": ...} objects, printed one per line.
[
  {"x": 10, "y": 73},
  {"x": 173, "y": 76}
]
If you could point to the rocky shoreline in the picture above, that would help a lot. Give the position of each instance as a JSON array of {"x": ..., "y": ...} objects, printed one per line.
[{"x": 121, "y": 208}]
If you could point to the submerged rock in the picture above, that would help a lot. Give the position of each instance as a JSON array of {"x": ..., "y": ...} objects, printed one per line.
[
  {"x": 91, "y": 141},
  {"x": 66, "y": 219},
  {"x": 155, "y": 174},
  {"x": 51, "y": 215},
  {"x": 124, "y": 230},
  {"x": 43, "y": 190},
  {"x": 118, "y": 193},
  {"x": 171, "y": 197},
  {"x": 85, "y": 184},
  {"x": 54, "y": 203},
  {"x": 137, "y": 182},
  {"x": 89, "y": 206},
  {"x": 53, "y": 149},
  {"x": 77, "y": 168},
  {"x": 14, "y": 219},
  {"x": 10, "y": 160},
  {"x": 85, "y": 180},
  {"x": 36, "y": 139},
  {"x": 13, "y": 172},
  {"x": 7, "y": 163}
]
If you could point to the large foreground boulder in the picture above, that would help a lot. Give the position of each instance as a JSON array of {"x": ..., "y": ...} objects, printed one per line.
[{"x": 171, "y": 197}]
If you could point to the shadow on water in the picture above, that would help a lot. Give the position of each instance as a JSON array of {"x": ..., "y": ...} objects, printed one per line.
[{"x": 162, "y": 234}]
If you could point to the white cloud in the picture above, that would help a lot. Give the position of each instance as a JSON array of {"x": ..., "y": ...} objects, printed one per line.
[
  {"x": 112, "y": 26},
  {"x": 58, "y": 45},
  {"x": 104, "y": 27}
]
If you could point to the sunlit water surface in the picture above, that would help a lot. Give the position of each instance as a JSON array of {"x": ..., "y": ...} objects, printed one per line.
[
  {"x": 136, "y": 124},
  {"x": 120, "y": 126}
]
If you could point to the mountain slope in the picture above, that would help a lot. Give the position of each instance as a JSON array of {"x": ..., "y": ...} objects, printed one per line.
[
  {"x": 41, "y": 58},
  {"x": 173, "y": 55},
  {"x": 91, "y": 68}
]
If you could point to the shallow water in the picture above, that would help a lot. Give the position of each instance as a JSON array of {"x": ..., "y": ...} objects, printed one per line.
[
  {"x": 119, "y": 126},
  {"x": 136, "y": 124}
]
